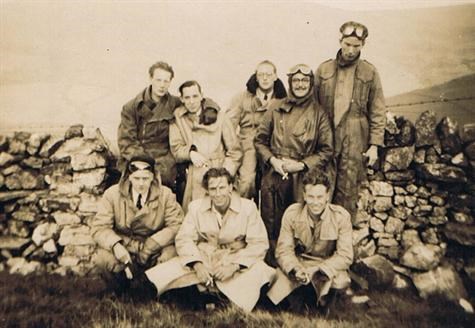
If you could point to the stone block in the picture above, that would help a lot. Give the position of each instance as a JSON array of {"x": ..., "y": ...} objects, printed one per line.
[
  {"x": 443, "y": 280},
  {"x": 429, "y": 236},
  {"x": 381, "y": 188},
  {"x": 382, "y": 203},
  {"x": 76, "y": 235},
  {"x": 376, "y": 224},
  {"x": 425, "y": 129},
  {"x": 410, "y": 237},
  {"x": 394, "y": 226},
  {"x": 422, "y": 257},
  {"x": 398, "y": 159},
  {"x": 65, "y": 218},
  {"x": 376, "y": 270},
  {"x": 44, "y": 232}
]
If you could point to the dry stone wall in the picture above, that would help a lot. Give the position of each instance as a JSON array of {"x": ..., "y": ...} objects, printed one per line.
[
  {"x": 415, "y": 220},
  {"x": 49, "y": 191}
]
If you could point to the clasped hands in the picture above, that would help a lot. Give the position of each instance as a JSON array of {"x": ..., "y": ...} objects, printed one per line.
[
  {"x": 286, "y": 166},
  {"x": 146, "y": 250},
  {"x": 198, "y": 159},
  {"x": 220, "y": 273}
]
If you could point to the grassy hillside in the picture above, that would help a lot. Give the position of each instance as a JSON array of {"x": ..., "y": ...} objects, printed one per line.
[
  {"x": 53, "y": 301},
  {"x": 438, "y": 98}
]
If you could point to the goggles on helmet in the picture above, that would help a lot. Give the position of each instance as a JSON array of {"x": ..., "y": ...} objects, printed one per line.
[
  {"x": 138, "y": 166},
  {"x": 354, "y": 29},
  {"x": 302, "y": 68}
]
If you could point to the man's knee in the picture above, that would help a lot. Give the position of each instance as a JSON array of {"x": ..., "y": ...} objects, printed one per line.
[{"x": 104, "y": 260}]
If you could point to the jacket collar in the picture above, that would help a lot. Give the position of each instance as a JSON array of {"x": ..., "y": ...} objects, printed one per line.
[
  {"x": 235, "y": 204},
  {"x": 304, "y": 216},
  {"x": 125, "y": 191},
  {"x": 291, "y": 102},
  {"x": 279, "y": 88},
  {"x": 343, "y": 63},
  {"x": 206, "y": 103}
]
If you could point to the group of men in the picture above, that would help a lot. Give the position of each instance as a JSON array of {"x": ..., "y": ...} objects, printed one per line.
[{"x": 299, "y": 154}]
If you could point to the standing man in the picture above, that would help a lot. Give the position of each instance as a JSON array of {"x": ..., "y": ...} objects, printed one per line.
[
  {"x": 145, "y": 121},
  {"x": 221, "y": 246},
  {"x": 246, "y": 112},
  {"x": 202, "y": 137},
  {"x": 293, "y": 137},
  {"x": 315, "y": 244},
  {"x": 349, "y": 89}
]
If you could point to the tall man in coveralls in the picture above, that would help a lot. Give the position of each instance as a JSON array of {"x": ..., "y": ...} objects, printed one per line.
[{"x": 350, "y": 91}]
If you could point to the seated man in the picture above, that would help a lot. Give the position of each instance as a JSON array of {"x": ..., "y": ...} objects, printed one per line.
[
  {"x": 221, "y": 244},
  {"x": 136, "y": 222},
  {"x": 314, "y": 249}
]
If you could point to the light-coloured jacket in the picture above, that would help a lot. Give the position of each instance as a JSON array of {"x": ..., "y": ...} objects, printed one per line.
[
  {"x": 333, "y": 245},
  {"x": 217, "y": 142},
  {"x": 118, "y": 219},
  {"x": 241, "y": 239},
  {"x": 243, "y": 235}
]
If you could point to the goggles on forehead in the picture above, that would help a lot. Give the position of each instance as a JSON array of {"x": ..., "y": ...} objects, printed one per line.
[
  {"x": 354, "y": 29},
  {"x": 138, "y": 166},
  {"x": 302, "y": 68}
]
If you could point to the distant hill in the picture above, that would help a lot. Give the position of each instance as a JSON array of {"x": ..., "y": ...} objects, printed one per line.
[{"x": 439, "y": 99}]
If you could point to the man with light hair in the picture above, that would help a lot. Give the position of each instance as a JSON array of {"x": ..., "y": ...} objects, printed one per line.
[
  {"x": 145, "y": 121},
  {"x": 246, "y": 112}
]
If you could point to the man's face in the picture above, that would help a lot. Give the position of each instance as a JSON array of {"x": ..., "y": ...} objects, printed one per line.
[
  {"x": 191, "y": 98},
  {"x": 219, "y": 190},
  {"x": 141, "y": 181},
  {"x": 265, "y": 77},
  {"x": 316, "y": 197},
  {"x": 160, "y": 81},
  {"x": 351, "y": 47},
  {"x": 300, "y": 85}
]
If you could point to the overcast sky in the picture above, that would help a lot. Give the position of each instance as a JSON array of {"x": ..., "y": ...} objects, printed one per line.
[{"x": 66, "y": 62}]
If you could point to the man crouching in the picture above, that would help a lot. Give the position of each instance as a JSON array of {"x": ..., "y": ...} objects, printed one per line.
[
  {"x": 221, "y": 245},
  {"x": 135, "y": 224},
  {"x": 314, "y": 249}
]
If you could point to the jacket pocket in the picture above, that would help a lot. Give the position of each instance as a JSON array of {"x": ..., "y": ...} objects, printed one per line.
[{"x": 301, "y": 127}]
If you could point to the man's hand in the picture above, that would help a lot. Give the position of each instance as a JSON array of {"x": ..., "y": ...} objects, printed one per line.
[
  {"x": 225, "y": 272},
  {"x": 293, "y": 166},
  {"x": 149, "y": 248},
  {"x": 278, "y": 164},
  {"x": 202, "y": 273},
  {"x": 198, "y": 159},
  {"x": 121, "y": 253},
  {"x": 372, "y": 154},
  {"x": 302, "y": 276}
]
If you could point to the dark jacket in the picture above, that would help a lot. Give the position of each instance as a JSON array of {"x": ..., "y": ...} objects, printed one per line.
[{"x": 144, "y": 128}]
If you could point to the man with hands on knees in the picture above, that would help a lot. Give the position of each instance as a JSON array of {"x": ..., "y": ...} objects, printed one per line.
[
  {"x": 136, "y": 223},
  {"x": 221, "y": 246},
  {"x": 314, "y": 249}
]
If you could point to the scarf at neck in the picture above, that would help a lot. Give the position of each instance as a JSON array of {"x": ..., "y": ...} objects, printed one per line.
[{"x": 345, "y": 63}]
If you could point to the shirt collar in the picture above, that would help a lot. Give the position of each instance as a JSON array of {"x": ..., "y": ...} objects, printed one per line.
[
  {"x": 135, "y": 196},
  {"x": 261, "y": 94}
]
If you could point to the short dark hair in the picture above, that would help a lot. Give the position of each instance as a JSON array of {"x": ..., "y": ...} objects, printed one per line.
[
  {"x": 267, "y": 62},
  {"x": 316, "y": 177},
  {"x": 216, "y": 172},
  {"x": 161, "y": 65},
  {"x": 188, "y": 84}
]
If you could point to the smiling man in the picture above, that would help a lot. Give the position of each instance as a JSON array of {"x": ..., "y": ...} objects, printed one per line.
[
  {"x": 221, "y": 246},
  {"x": 350, "y": 91},
  {"x": 314, "y": 249},
  {"x": 294, "y": 136},
  {"x": 145, "y": 121}
]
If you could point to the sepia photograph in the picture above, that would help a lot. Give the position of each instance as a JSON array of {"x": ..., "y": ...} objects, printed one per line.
[{"x": 237, "y": 163}]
